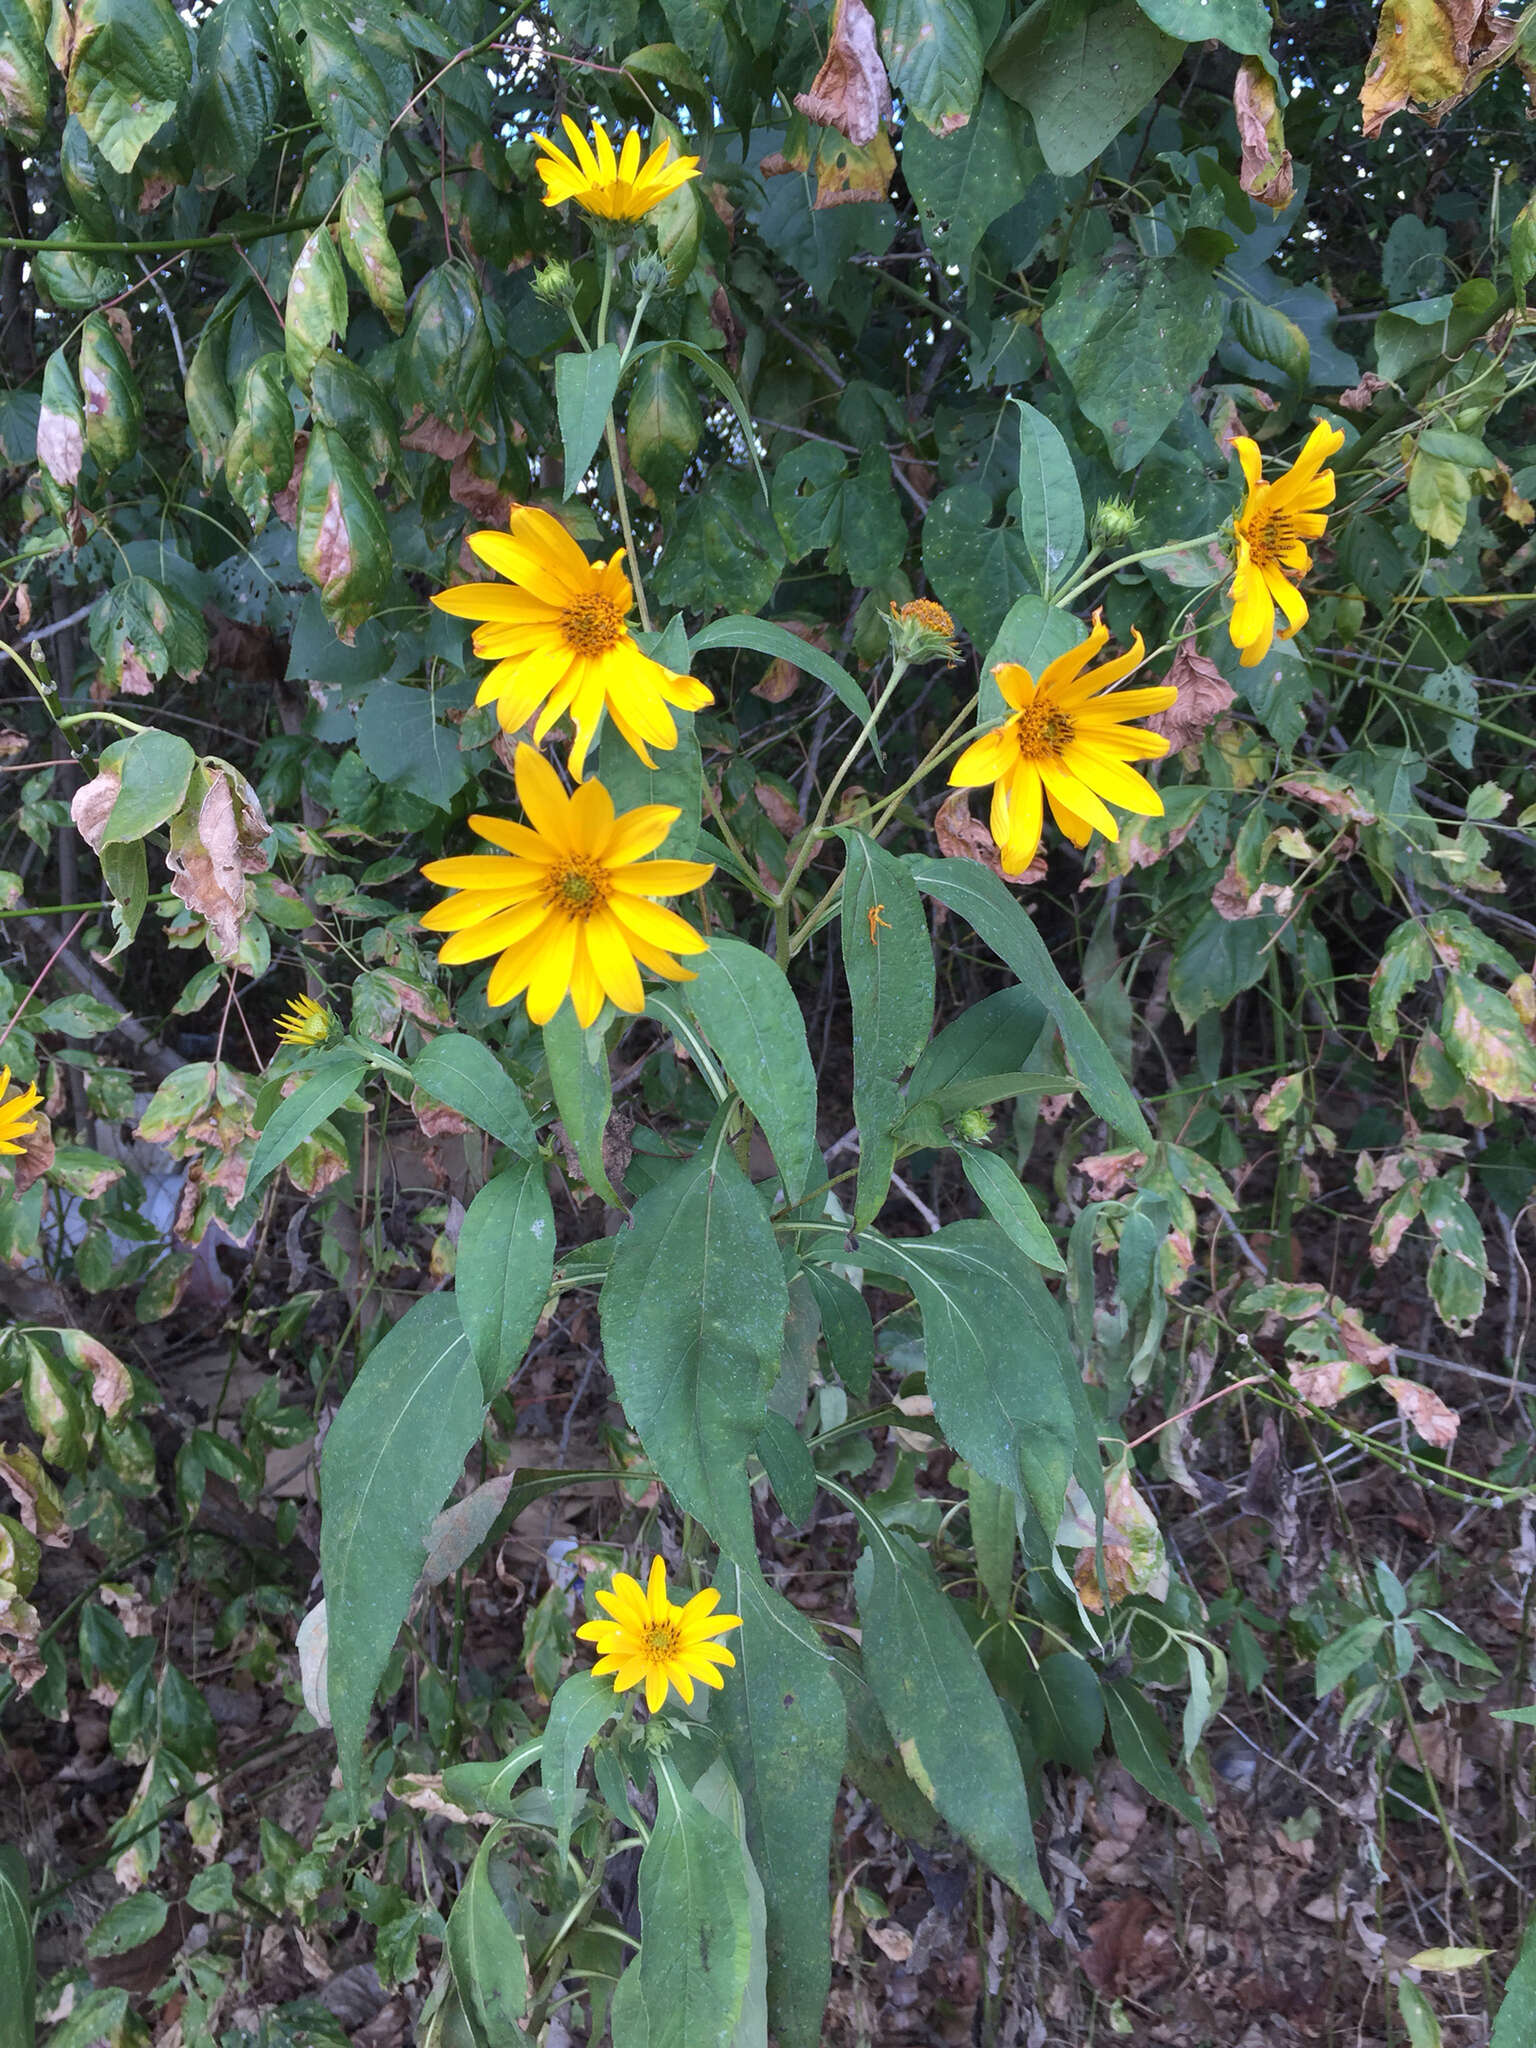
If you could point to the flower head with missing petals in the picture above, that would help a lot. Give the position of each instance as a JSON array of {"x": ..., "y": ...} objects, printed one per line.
[
  {"x": 1270, "y": 534},
  {"x": 610, "y": 187},
  {"x": 304, "y": 1022},
  {"x": 647, "y": 1638},
  {"x": 921, "y": 630},
  {"x": 571, "y": 911},
  {"x": 16, "y": 1122},
  {"x": 560, "y": 644},
  {"x": 1069, "y": 745}
]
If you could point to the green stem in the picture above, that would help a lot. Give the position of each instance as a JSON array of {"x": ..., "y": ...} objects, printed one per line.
[
  {"x": 621, "y": 498},
  {"x": 1173, "y": 547},
  {"x": 110, "y": 717},
  {"x": 813, "y": 834}
]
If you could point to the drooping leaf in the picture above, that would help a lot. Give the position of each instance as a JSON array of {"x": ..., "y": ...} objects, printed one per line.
[
  {"x": 343, "y": 544},
  {"x": 585, "y": 384},
  {"x": 762, "y": 636},
  {"x": 782, "y": 1719},
  {"x": 583, "y": 1704},
  {"x": 888, "y": 959},
  {"x": 695, "y": 1923},
  {"x": 933, "y": 1692},
  {"x": 1083, "y": 74},
  {"x": 366, "y": 245},
  {"x": 114, "y": 408},
  {"x": 465, "y": 1073},
  {"x": 583, "y": 1089},
  {"x": 749, "y": 1013},
  {"x": 693, "y": 1316},
  {"x": 129, "y": 63},
  {"x": 506, "y": 1259},
  {"x": 446, "y": 357},
  {"x": 391, "y": 1456},
  {"x": 933, "y": 52},
  {"x": 236, "y": 94},
  {"x": 330, "y": 1079},
  {"x": 999, "y": 919},
  {"x": 490, "y": 1971}
]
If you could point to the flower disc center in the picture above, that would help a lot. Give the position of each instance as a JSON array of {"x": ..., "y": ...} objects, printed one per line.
[
  {"x": 1269, "y": 538},
  {"x": 1043, "y": 733},
  {"x": 593, "y": 624},
  {"x": 660, "y": 1640},
  {"x": 577, "y": 889}
]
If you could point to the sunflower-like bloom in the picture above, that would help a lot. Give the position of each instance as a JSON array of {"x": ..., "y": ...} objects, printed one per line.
[
  {"x": 649, "y": 1638},
  {"x": 610, "y": 187},
  {"x": 15, "y": 1122},
  {"x": 304, "y": 1022},
  {"x": 1271, "y": 533},
  {"x": 570, "y": 912},
  {"x": 1069, "y": 745},
  {"x": 559, "y": 641}
]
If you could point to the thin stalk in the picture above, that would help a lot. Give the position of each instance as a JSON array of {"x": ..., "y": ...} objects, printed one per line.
[
  {"x": 1175, "y": 547},
  {"x": 813, "y": 834}
]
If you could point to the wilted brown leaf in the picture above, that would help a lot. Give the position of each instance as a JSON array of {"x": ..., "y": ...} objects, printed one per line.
[
  {"x": 211, "y": 855},
  {"x": 1265, "y": 173},
  {"x": 1204, "y": 695},
  {"x": 1234, "y": 900},
  {"x": 36, "y": 1154},
  {"x": 1435, "y": 1422},
  {"x": 851, "y": 91},
  {"x": 431, "y": 436},
  {"x": 1432, "y": 52},
  {"x": 1110, "y": 1174},
  {"x": 1323, "y": 1385},
  {"x": 285, "y": 503},
  {"x": 38, "y": 1506},
  {"x": 1358, "y": 397},
  {"x": 436, "y": 1119},
  {"x": 963, "y": 836},
  {"x": 111, "y": 1388},
  {"x": 778, "y": 807}
]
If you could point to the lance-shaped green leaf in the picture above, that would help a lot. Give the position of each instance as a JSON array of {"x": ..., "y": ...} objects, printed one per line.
[
  {"x": 210, "y": 402},
  {"x": 391, "y": 1457},
  {"x": 762, "y": 636},
  {"x": 1005, "y": 1384},
  {"x": 492, "y": 1788},
  {"x": 1000, "y": 920},
  {"x": 18, "y": 1975},
  {"x": 343, "y": 544},
  {"x": 582, "y": 1086},
  {"x": 933, "y": 52},
  {"x": 505, "y": 1263},
  {"x": 749, "y": 1013},
  {"x": 693, "y": 1314},
  {"x": 783, "y": 1721},
  {"x": 316, "y": 307},
  {"x": 61, "y": 422},
  {"x": 585, "y": 383},
  {"x": 1515, "y": 2024},
  {"x": 237, "y": 90},
  {"x": 582, "y": 1706},
  {"x": 923, "y": 1669},
  {"x": 129, "y": 62},
  {"x": 490, "y": 1971},
  {"x": 324, "y": 1087},
  {"x": 24, "y": 75},
  {"x": 366, "y": 245},
  {"x": 114, "y": 408},
  {"x": 446, "y": 359},
  {"x": 888, "y": 959},
  {"x": 846, "y": 1327},
  {"x": 695, "y": 1922},
  {"x": 259, "y": 460},
  {"x": 1141, "y": 1743},
  {"x": 997, "y": 1187},
  {"x": 1050, "y": 502},
  {"x": 461, "y": 1071}
]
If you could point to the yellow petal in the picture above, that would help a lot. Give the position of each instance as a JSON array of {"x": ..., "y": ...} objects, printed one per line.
[
  {"x": 540, "y": 794},
  {"x": 613, "y": 962}
]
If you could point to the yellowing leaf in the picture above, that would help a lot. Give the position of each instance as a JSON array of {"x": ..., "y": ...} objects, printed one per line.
[
  {"x": 1432, "y": 52},
  {"x": 1448, "y": 1958}
]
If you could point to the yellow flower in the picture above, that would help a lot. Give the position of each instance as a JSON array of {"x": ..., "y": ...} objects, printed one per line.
[
  {"x": 922, "y": 611},
  {"x": 649, "y": 1638},
  {"x": 1270, "y": 531},
  {"x": 570, "y": 912},
  {"x": 1068, "y": 743},
  {"x": 612, "y": 188},
  {"x": 14, "y": 1120},
  {"x": 304, "y": 1022},
  {"x": 559, "y": 641}
]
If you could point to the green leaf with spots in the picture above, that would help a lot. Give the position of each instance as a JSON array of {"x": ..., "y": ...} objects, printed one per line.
[
  {"x": 366, "y": 245},
  {"x": 316, "y": 308},
  {"x": 129, "y": 63},
  {"x": 933, "y": 53},
  {"x": 724, "y": 550},
  {"x": 1133, "y": 337},
  {"x": 962, "y": 182},
  {"x": 1083, "y": 75},
  {"x": 114, "y": 409},
  {"x": 1243, "y": 25}
]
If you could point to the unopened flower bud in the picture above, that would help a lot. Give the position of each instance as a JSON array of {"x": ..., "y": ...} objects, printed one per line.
[
  {"x": 555, "y": 284},
  {"x": 1114, "y": 522},
  {"x": 921, "y": 630},
  {"x": 650, "y": 273},
  {"x": 974, "y": 1126}
]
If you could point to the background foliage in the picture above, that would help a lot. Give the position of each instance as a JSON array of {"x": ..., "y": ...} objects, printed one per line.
[{"x": 1257, "y": 1078}]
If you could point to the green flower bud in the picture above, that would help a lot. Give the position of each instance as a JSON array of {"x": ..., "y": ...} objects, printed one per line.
[
  {"x": 974, "y": 1126},
  {"x": 555, "y": 284},
  {"x": 1114, "y": 522},
  {"x": 650, "y": 273}
]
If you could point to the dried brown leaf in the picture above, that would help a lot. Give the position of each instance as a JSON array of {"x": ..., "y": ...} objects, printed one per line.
[
  {"x": 1435, "y": 1422},
  {"x": 1204, "y": 696},
  {"x": 851, "y": 91},
  {"x": 1265, "y": 173},
  {"x": 210, "y": 857}
]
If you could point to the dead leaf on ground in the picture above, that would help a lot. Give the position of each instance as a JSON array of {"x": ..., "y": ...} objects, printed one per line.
[{"x": 1131, "y": 1950}]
